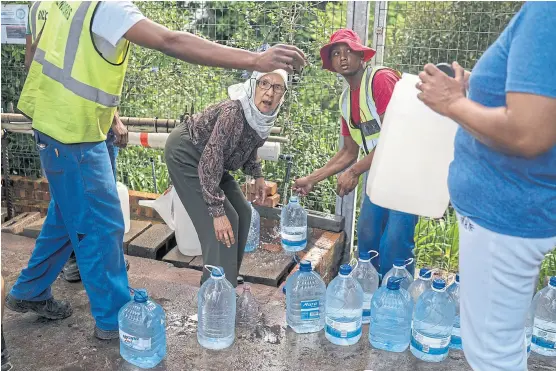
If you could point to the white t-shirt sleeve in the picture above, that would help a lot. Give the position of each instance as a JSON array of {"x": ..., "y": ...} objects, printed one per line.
[{"x": 114, "y": 18}]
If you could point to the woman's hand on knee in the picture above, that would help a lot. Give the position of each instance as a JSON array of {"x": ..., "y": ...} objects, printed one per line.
[{"x": 223, "y": 230}]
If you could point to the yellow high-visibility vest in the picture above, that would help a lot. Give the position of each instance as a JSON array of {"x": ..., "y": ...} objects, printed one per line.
[
  {"x": 71, "y": 92},
  {"x": 367, "y": 132},
  {"x": 37, "y": 17}
]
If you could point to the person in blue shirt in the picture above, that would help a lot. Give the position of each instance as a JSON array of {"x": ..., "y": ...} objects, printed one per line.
[{"x": 502, "y": 181}]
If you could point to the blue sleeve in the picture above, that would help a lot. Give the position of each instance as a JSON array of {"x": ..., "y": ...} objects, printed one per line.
[{"x": 532, "y": 50}]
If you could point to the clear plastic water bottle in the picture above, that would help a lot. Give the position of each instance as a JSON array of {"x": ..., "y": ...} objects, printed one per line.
[
  {"x": 344, "y": 308},
  {"x": 529, "y": 320},
  {"x": 367, "y": 276},
  {"x": 433, "y": 319},
  {"x": 247, "y": 309},
  {"x": 543, "y": 340},
  {"x": 391, "y": 311},
  {"x": 142, "y": 324},
  {"x": 293, "y": 226},
  {"x": 453, "y": 291},
  {"x": 254, "y": 235},
  {"x": 305, "y": 300},
  {"x": 421, "y": 284},
  {"x": 398, "y": 270},
  {"x": 216, "y": 305}
]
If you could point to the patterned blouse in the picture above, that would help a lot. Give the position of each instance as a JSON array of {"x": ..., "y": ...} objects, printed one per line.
[{"x": 226, "y": 143}]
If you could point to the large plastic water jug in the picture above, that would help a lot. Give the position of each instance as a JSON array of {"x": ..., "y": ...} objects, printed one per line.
[
  {"x": 453, "y": 290},
  {"x": 171, "y": 210},
  {"x": 367, "y": 276},
  {"x": 142, "y": 325},
  {"x": 293, "y": 226},
  {"x": 305, "y": 300},
  {"x": 433, "y": 319},
  {"x": 391, "y": 312},
  {"x": 421, "y": 284},
  {"x": 253, "y": 238},
  {"x": 399, "y": 270},
  {"x": 344, "y": 308},
  {"x": 544, "y": 327},
  {"x": 409, "y": 172},
  {"x": 216, "y": 311},
  {"x": 123, "y": 195}
]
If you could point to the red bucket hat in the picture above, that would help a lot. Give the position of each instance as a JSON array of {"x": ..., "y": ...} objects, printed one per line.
[{"x": 348, "y": 37}]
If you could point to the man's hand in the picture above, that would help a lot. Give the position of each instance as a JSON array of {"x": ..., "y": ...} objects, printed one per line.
[
  {"x": 438, "y": 90},
  {"x": 260, "y": 191},
  {"x": 120, "y": 131},
  {"x": 223, "y": 230},
  {"x": 281, "y": 56},
  {"x": 303, "y": 186},
  {"x": 347, "y": 182}
]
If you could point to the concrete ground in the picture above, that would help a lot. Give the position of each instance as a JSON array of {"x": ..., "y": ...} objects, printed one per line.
[{"x": 36, "y": 344}]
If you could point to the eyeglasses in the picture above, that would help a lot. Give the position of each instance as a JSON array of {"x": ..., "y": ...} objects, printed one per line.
[{"x": 265, "y": 85}]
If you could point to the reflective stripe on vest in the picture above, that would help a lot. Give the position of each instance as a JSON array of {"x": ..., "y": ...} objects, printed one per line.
[
  {"x": 63, "y": 76},
  {"x": 34, "y": 14},
  {"x": 370, "y": 119}
]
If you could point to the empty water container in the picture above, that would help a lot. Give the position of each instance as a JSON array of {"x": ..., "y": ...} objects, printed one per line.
[
  {"x": 367, "y": 276},
  {"x": 391, "y": 311},
  {"x": 305, "y": 300},
  {"x": 344, "y": 308},
  {"x": 216, "y": 305},
  {"x": 543, "y": 340},
  {"x": 247, "y": 308},
  {"x": 142, "y": 324},
  {"x": 254, "y": 231},
  {"x": 453, "y": 291},
  {"x": 293, "y": 226},
  {"x": 421, "y": 284},
  {"x": 433, "y": 319},
  {"x": 398, "y": 270}
]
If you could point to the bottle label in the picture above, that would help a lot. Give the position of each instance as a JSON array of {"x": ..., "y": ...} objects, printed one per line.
[
  {"x": 544, "y": 334},
  {"x": 433, "y": 346},
  {"x": 456, "y": 336},
  {"x": 294, "y": 239},
  {"x": 310, "y": 310},
  {"x": 367, "y": 307},
  {"x": 343, "y": 330},
  {"x": 135, "y": 342}
]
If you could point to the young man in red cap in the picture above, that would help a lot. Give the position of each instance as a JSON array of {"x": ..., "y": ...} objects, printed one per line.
[{"x": 362, "y": 106}]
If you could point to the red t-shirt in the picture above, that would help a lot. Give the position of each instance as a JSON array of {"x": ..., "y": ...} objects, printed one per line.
[{"x": 383, "y": 86}]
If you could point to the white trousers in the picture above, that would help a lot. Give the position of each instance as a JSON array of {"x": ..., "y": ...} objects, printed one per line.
[{"x": 498, "y": 276}]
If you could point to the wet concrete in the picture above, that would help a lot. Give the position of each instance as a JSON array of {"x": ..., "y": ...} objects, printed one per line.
[{"x": 68, "y": 345}]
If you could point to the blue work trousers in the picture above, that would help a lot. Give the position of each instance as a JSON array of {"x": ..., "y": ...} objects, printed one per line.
[
  {"x": 389, "y": 232},
  {"x": 84, "y": 215}
]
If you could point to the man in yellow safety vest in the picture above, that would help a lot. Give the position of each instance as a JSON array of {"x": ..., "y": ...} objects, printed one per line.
[
  {"x": 71, "y": 94},
  {"x": 362, "y": 106}
]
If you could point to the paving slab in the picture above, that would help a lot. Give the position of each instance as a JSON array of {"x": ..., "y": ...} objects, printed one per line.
[
  {"x": 19, "y": 222},
  {"x": 136, "y": 228},
  {"x": 41, "y": 345},
  {"x": 177, "y": 259},
  {"x": 153, "y": 243},
  {"x": 34, "y": 229}
]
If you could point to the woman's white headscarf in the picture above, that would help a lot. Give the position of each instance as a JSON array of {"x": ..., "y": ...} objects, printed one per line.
[{"x": 245, "y": 93}]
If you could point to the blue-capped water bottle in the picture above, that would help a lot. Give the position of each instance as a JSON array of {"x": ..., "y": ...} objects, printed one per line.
[
  {"x": 543, "y": 339},
  {"x": 433, "y": 319},
  {"x": 344, "y": 308},
  {"x": 367, "y": 276},
  {"x": 421, "y": 284},
  {"x": 305, "y": 300},
  {"x": 142, "y": 325},
  {"x": 216, "y": 311},
  {"x": 391, "y": 311},
  {"x": 293, "y": 226},
  {"x": 453, "y": 291},
  {"x": 399, "y": 270}
]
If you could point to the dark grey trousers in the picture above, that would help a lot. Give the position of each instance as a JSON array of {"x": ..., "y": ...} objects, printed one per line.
[{"x": 182, "y": 159}]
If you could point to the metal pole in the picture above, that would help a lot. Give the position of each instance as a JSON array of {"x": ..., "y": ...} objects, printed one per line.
[
  {"x": 357, "y": 20},
  {"x": 379, "y": 32}
]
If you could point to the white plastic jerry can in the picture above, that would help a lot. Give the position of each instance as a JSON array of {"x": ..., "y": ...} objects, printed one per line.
[{"x": 123, "y": 195}]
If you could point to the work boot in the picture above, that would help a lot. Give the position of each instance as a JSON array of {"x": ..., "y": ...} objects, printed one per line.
[
  {"x": 106, "y": 335},
  {"x": 51, "y": 309},
  {"x": 71, "y": 271},
  {"x": 6, "y": 364}
]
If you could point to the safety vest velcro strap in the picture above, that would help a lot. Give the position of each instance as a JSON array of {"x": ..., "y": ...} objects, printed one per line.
[{"x": 77, "y": 87}]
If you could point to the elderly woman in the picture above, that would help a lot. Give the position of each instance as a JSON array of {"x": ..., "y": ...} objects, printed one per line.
[
  {"x": 502, "y": 182},
  {"x": 201, "y": 152}
]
